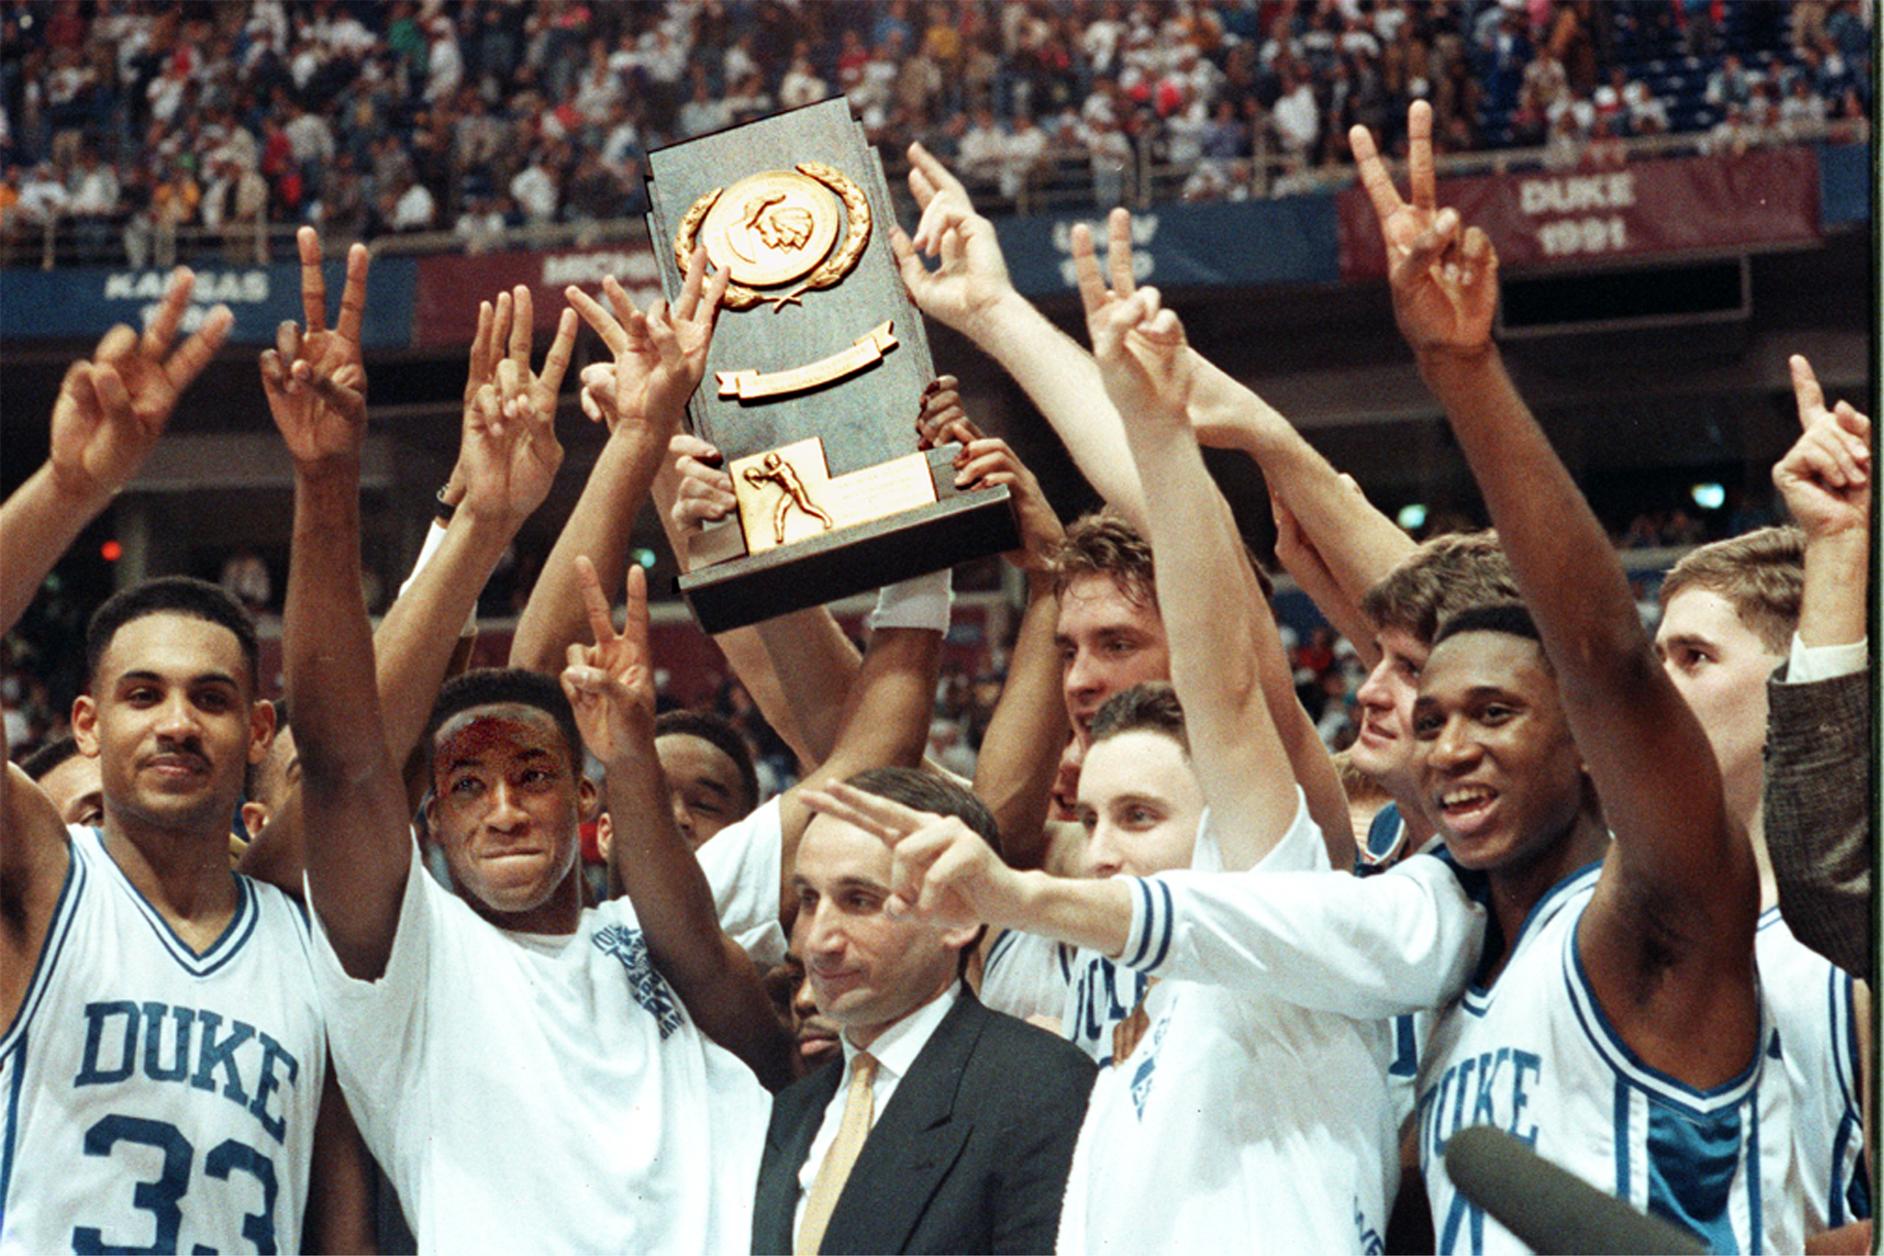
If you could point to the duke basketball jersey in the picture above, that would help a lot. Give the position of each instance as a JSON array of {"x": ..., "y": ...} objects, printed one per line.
[
  {"x": 1535, "y": 1056},
  {"x": 154, "y": 1098},
  {"x": 1810, "y": 1000}
]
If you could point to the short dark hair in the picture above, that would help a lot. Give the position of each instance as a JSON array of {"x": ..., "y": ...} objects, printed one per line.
[
  {"x": 171, "y": 595},
  {"x": 1103, "y": 543},
  {"x": 504, "y": 686},
  {"x": 1150, "y": 707},
  {"x": 718, "y": 732},
  {"x": 1445, "y": 575},
  {"x": 927, "y": 791},
  {"x": 49, "y": 756},
  {"x": 1509, "y": 618}
]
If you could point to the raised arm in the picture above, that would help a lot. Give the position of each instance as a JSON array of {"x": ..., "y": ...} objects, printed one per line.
[
  {"x": 1021, "y": 749},
  {"x": 1158, "y": 369},
  {"x": 971, "y": 293},
  {"x": 507, "y": 460},
  {"x": 353, "y": 803},
  {"x": 1818, "y": 820},
  {"x": 611, "y": 686},
  {"x": 659, "y": 359},
  {"x": 1387, "y": 945},
  {"x": 1234, "y": 747},
  {"x": 820, "y": 661},
  {"x": 1679, "y": 890},
  {"x": 109, "y": 413}
]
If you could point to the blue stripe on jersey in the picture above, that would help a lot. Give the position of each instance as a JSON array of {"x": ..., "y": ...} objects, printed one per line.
[
  {"x": 1692, "y": 1162},
  {"x": 1164, "y": 935},
  {"x": 1001, "y": 946},
  {"x": 1624, "y": 1188},
  {"x": 1406, "y": 1049},
  {"x": 1384, "y": 832},
  {"x": 197, "y": 963},
  {"x": 64, "y": 912},
  {"x": 1659, "y": 1086},
  {"x": 12, "y": 1133},
  {"x": 1477, "y": 996},
  {"x": 1144, "y": 938}
]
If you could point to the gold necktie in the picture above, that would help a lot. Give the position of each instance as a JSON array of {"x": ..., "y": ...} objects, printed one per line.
[{"x": 851, "y": 1132}]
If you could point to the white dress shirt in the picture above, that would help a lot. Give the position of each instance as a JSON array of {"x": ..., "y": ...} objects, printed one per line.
[{"x": 895, "y": 1050}]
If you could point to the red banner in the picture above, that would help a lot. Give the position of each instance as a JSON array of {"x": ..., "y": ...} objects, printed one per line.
[
  {"x": 1762, "y": 198},
  {"x": 450, "y": 286}
]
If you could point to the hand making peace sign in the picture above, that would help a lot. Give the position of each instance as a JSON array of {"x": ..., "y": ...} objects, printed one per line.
[
  {"x": 1444, "y": 283},
  {"x": 611, "y": 683},
  {"x": 314, "y": 378},
  {"x": 112, "y": 408}
]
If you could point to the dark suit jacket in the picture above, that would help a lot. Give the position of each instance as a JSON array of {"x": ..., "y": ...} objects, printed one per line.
[
  {"x": 970, "y": 1155},
  {"x": 1818, "y": 813}
]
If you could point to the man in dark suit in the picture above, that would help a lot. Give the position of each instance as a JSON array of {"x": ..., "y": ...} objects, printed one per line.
[{"x": 945, "y": 1127}]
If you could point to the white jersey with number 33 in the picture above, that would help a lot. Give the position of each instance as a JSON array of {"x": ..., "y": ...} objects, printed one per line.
[{"x": 152, "y": 1098}]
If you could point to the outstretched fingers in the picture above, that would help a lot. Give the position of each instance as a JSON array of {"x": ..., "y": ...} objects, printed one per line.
[
  {"x": 313, "y": 283},
  {"x": 1421, "y": 177},
  {"x": 1805, "y": 389},
  {"x": 595, "y": 602},
  {"x": 199, "y": 350},
  {"x": 353, "y": 296},
  {"x": 692, "y": 284},
  {"x": 163, "y": 325},
  {"x": 1093, "y": 292},
  {"x": 556, "y": 363},
  {"x": 604, "y": 324},
  {"x": 1373, "y": 174},
  {"x": 1119, "y": 252},
  {"x": 522, "y": 325}
]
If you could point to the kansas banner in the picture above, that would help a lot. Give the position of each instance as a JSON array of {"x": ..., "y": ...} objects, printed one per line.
[
  {"x": 1762, "y": 199},
  {"x": 83, "y": 302}
]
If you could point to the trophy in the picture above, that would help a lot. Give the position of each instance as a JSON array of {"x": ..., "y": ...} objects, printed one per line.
[{"x": 815, "y": 375}]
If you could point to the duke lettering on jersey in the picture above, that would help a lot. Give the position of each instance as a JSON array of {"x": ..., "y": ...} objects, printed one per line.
[
  {"x": 159, "y": 1043},
  {"x": 1099, "y": 1003},
  {"x": 1491, "y": 1088}
]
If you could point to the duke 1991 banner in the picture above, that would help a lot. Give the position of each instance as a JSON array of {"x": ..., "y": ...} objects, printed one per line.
[{"x": 1762, "y": 199}]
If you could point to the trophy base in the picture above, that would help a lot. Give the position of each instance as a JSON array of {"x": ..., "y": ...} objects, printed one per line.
[{"x": 821, "y": 569}]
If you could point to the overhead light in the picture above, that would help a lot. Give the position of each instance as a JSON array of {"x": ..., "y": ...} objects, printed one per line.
[
  {"x": 1412, "y": 516},
  {"x": 1708, "y": 496}
]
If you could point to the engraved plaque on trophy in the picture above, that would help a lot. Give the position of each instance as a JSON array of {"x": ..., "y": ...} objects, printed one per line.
[{"x": 815, "y": 375}]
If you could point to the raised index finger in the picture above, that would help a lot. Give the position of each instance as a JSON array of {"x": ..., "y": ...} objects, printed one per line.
[
  {"x": 163, "y": 326},
  {"x": 353, "y": 296},
  {"x": 1805, "y": 388},
  {"x": 313, "y": 285},
  {"x": 1373, "y": 174},
  {"x": 594, "y": 601},
  {"x": 1419, "y": 155}
]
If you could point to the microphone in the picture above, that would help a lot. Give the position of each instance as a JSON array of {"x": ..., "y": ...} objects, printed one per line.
[{"x": 1551, "y": 1210}]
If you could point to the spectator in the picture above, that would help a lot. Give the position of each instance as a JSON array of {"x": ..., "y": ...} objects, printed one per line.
[
  {"x": 1297, "y": 117},
  {"x": 409, "y": 206}
]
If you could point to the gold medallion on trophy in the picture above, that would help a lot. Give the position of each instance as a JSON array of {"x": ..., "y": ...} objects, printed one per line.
[{"x": 777, "y": 228}]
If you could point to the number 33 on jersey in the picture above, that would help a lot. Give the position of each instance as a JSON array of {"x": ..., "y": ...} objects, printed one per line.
[{"x": 152, "y": 1098}]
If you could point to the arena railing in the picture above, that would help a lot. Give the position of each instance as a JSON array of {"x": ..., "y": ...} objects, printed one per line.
[{"x": 1055, "y": 184}]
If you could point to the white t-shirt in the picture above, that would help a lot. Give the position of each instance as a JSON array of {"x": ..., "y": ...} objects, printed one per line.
[
  {"x": 537, "y": 1093},
  {"x": 1239, "y": 1119},
  {"x": 742, "y": 865}
]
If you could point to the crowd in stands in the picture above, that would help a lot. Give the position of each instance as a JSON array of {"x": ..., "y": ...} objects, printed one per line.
[{"x": 136, "y": 121}]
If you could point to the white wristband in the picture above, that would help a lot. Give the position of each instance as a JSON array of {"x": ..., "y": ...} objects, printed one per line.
[
  {"x": 922, "y": 602},
  {"x": 434, "y": 537}
]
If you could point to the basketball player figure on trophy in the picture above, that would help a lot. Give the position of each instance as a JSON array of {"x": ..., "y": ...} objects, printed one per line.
[{"x": 792, "y": 492}]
